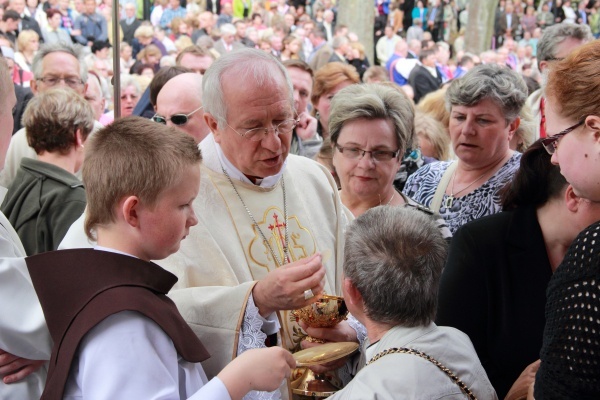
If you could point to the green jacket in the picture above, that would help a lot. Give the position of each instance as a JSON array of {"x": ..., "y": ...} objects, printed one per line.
[
  {"x": 238, "y": 8},
  {"x": 42, "y": 203}
]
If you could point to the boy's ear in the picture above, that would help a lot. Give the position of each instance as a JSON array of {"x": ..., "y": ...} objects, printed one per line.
[{"x": 130, "y": 208}]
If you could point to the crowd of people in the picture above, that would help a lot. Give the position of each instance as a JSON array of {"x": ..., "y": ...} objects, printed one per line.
[{"x": 426, "y": 186}]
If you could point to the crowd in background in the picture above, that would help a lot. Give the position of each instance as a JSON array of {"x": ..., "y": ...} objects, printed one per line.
[{"x": 305, "y": 30}]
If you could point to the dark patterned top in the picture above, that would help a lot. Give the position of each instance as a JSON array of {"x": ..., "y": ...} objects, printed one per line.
[
  {"x": 484, "y": 200},
  {"x": 570, "y": 368}
]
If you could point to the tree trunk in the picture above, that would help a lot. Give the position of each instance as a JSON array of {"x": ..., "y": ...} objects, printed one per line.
[
  {"x": 359, "y": 16},
  {"x": 480, "y": 25}
]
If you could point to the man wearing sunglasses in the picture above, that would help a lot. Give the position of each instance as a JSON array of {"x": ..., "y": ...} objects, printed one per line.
[{"x": 179, "y": 104}]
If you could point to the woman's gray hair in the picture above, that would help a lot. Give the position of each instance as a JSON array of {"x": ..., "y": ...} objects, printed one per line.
[
  {"x": 36, "y": 64},
  {"x": 253, "y": 66},
  {"x": 394, "y": 256},
  {"x": 129, "y": 80},
  {"x": 500, "y": 84},
  {"x": 373, "y": 101}
]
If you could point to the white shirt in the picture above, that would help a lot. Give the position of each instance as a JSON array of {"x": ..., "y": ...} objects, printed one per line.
[{"x": 128, "y": 356}]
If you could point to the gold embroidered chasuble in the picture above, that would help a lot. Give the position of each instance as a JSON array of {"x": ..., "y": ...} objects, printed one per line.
[{"x": 224, "y": 255}]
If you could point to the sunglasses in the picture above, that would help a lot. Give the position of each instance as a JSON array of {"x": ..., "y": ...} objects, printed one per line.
[
  {"x": 177, "y": 119},
  {"x": 551, "y": 143}
]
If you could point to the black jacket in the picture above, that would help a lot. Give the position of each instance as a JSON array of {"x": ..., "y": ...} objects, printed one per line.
[{"x": 493, "y": 288}]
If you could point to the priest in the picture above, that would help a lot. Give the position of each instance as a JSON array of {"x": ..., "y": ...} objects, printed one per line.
[{"x": 270, "y": 231}]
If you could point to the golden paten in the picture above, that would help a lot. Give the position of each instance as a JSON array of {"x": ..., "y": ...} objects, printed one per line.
[{"x": 325, "y": 353}]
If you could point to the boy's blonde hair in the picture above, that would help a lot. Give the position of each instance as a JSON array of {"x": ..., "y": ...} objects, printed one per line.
[{"x": 132, "y": 157}]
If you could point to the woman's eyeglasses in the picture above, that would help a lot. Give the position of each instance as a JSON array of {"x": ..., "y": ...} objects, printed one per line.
[
  {"x": 177, "y": 119},
  {"x": 354, "y": 153},
  {"x": 551, "y": 143}
]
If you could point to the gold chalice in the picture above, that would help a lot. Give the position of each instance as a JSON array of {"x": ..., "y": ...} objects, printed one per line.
[{"x": 326, "y": 312}]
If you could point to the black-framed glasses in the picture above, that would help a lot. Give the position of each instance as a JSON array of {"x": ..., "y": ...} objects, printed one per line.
[
  {"x": 258, "y": 134},
  {"x": 176, "y": 119},
  {"x": 71, "y": 82},
  {"x": 354, "y": 153},
  {"x": 551, "y": 143}
]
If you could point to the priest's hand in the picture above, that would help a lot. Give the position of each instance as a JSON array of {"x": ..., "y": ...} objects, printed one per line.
[
  {"x": 13, "y": 368},
  {"x": 307, "y": 126},
  {"x": 257, "y": 369},
  {"x": 342, "y": 332},
  {"x": 284, "y": 287}
]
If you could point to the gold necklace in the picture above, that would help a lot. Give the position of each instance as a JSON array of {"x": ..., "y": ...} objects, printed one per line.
[
  {"x": 389, "y": 201},
  {"x": 450, "y": 199}
]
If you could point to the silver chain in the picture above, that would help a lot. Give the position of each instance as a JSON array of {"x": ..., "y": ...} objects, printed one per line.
[
  {"x": 285, "y": 217},
  {"x": 435, "y": 362}
]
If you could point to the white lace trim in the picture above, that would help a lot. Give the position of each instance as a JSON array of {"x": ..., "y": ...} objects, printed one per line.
[{"x": 252, "y": 337}]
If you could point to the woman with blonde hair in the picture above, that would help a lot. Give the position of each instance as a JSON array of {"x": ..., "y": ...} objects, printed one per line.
[
  {"x": 291, "y": 48},
  {"x": 433, "y": 139},
  {"x": 357, "y": 58},
  {"x": 329, "y": 80},
  {"x": 28, "y": 43},
  {"x": 434, "y": 104}
]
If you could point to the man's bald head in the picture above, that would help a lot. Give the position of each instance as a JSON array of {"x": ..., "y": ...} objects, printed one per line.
[{"x": 182, "y": 95}]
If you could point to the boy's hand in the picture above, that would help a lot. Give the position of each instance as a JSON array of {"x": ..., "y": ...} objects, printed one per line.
[
  {"x": 257, "y": 369},
  {"x": 283, "y": 288},
  {"x": 13, "y": 368}
]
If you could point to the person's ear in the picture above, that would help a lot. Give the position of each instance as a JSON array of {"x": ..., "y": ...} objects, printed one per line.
[
  {"x": 213, "y": 125},
  {"x": 79, "y": 138},
  {"x": 572, "y": 201},
  {"x": 593, "y": 122},
  {"x": 33, "y": 86},
  {"x": 130, "y": 208},
  {"x": 352, "y": 295},
  {"x": 513, "y": 126}
]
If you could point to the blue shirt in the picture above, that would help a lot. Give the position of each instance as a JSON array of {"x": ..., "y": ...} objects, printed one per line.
[
  {"x": 169, "y": 14},
  {"x": 91, "y": 26}
]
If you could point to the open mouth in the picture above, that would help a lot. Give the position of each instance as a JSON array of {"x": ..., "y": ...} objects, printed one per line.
[{"x": 272, "y": 161}]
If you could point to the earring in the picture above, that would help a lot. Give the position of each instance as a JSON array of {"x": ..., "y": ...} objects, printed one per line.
[{"x": 317, "y": 115}]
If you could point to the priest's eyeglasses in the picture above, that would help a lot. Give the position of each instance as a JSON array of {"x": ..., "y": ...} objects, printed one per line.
[
  {"x": 354, "y": 153},
  {"x": 258, "y": 134},
  {"x": 551, "y": 143},
  {"x": 177, "y": 119}
]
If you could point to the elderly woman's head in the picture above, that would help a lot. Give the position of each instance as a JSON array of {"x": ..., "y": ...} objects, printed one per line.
[
  {"x": 376, "y": 118},
  {"x": 56, "y": 120},
  {"x": 393, "y": 259},
  {"x": 130, "y": 94},
  {"x": 329, "y": 80},
  {"x": 573, "y": 118},
  {"x": 484, "y": 110}
]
